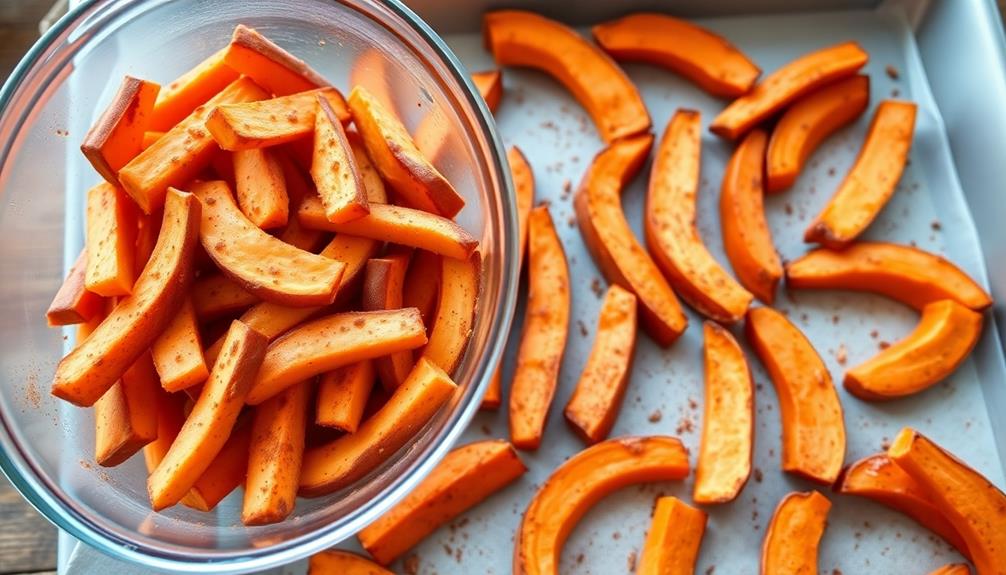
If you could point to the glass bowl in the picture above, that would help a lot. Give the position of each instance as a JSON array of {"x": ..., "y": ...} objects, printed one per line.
[{"x": 58, "y": 89}]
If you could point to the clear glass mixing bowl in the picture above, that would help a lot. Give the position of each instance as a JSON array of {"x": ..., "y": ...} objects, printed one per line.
[{"x": 46, "y": 447}]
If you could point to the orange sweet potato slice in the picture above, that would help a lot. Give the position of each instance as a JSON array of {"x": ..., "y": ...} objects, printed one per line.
[
  {"x": 671, "y": 232},
  {"x": 383, "y": 284},
  {"x": 543, "y": 339},
  {"x": 225, "y": 473},
  {"x": 191, "y": 90},
  {"x": 334, "y": 341},
  {"x": 807, "y": 123},
  {"x": 217, "y": 295},
  {"x": 298, "y": 188},
  {"x": 148, "y": 231},
  {"x": 126, "y": 416},
  {"x": 595, "y": 403},
  {"x": 73, "y": 303},
  {"x": 423, "y": 279},
  {"x": 87, "y": 372},
  {"x": 343, "y": 394},
  {"x": 519, "y": 38},
  {"x": 460, "y": 282},
  {"x": 673, "y": 541},
  {"x": 813, "y": 430},
  {"x": 260, "y": 188},
  {"x": 178, "y": 351},
  {"x": 398, "y": 160},
  {"x": 170, "y": 418},
  {"x": 334, "y": 171},
  {"x": 270, "y": 66},
  {"x": 337, "y": 464},
  {"x": 182, "y": 153},
  {"x": 615, "y": 249},
  {"x": 727, "y": 443},
  {"x": 262, "y": 264},
  {"x": 746, "y": 236},
  {"x": 434, "y": 131},
  {"x": 906, "y": 274},
  {"x": 465, "y": 477},
  {"x": 794, "y": 534},
  {"x": 117, "y": 136},
  {"x": 952, "y": 569},
  {"x": 582, "y": 481},
  {"x": 372, "y": 181},
  {"x": 110, "y": 241},
  {"x": 343, "y": 563},
  {"x": 879, "y": 479},
  {"x": 945, "y": 335},
  {"x": 490, "y": 87},
  {"x": 871, "y": 181},
  {"x": 698, "y": 54},
  {"x": 272, "y": 122},
  {"x": 786, "y": 85}
]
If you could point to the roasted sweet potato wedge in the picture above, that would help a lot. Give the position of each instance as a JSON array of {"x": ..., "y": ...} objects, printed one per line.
[
  {"x": 794, "y": 534},
  {"x": 260, "y": 188},
  {"x": 73, "y": 303},
  {"x": 383, "y": 283},
  {"x": 270, "y": 66},
  {"x": 117, "y": 136},
  {"x": 423, "y": 279},
  {"x": 460, "y": 284},
  {"x": 225, "y": 473},
  {"x": 178, "y": 352},
  {"x": 272, "y": 122},
  {"x": 125, "y": 417},
  {"x": 490, "y": 86},
  {"x": 336, "y": 561},
  {"x": 333, "y": 169},
  {"x": 110, "y": 241},
  {"x": 343, "y": 394},
  {"x": 672, "y": 543},
  {"x": 191, "y": 90},
  {"x": 170, "y": 418}
]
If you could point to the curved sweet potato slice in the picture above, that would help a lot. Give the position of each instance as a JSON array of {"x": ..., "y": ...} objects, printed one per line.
[
  {"x": 879, "y": 479},
  {"x": 262, "y": 264},
  {"x": 615, "y": 249},
  {"x": 543, "y": 339},
  {"x": 582, "y": 481},
  {"x": 871, "y": 181},
  {"x": 272, "y": 122},
  {"x": 747, "y": 239},
  {"x": 217, "y": 295},
  {"x": 117, "y": 136},
  {"x": 671, "y": 233},
  {"x": 801, "y": 76},
  {"x": 225, "y": 473},
  {"x": 672, "y": 543},
  {"x": 953, "y": 569},
  {"x": 807, "y": 123},
  {"x": 974, "y": 506},
  {"x": 260, "y": 188},
  {"x": 727, "y": 421},
  {"x": 212, "y": 419},
  {"x": 191, "y": 90},
  {"x": 73, "y": 303},
  {"x": 334, "y": 341},
  {"x": 383, "y": 283},
  {"x": 490, "y": 86},
  {"x": 126, "y": 416},
  {"x": 598, "y": 395},
  {"x": 794, "y": 534},
  {"x": 343, "y": 395},
  {"x": 111, "y": 241},
  {"x": 338, "y": 464},
  {"x": 465, "y": 477},
  {"x": 519, "y": 38},
  {"x": 340, "y": 562},
  {"x": 813, "y": 430},
  {"x": 87, "y": 372},
  {"x": 944, "y": 337},
  {"x": 700, "y": 55},
  {"x": 906, "y": 274},
  {"x": 333, "y": 169},
  {"x": 178, "y": 352},
  {"x": 460, "y": 282},
  {"x": 268, "y": 65}
]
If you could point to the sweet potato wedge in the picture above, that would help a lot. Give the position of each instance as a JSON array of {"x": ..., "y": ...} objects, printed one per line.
[
  {"x": 333, "y": 169},
  {"x": 974, "y": 506},
  {"x": 126, "y": 416},
  {"x": 519, "y": 38},
  {"x": 465, "y": 477},
  {"x": 595, "y": 403},
  {"x": 671, "y": 232},
  {"x": 807, "y": 123},
  {"x": 434, "y": 132},
  {"x": 148, "y": 231},
  {"x": 372, "y": 181},
  {"x": 787, "y": 84},
  {"x": 334, "y": 341},
  {"x": 270, "y": 66},
  {"x": 272, "y": 122},
  {"x": 423, "y": 279},
  {"x": 383, "y": 282},
  {"x": 945, "y": 335},
  {"x": 110, "y": 241},
  {"x": 343, "y": 394},
  {"x": 298, "y": 187},
  {"x": 700, "y": 55},
  {"x": 582, "y": 481},
  {"x": 225, "y": 473},
  {"x": 262, "y": 264},
  {"x": 794, "y": 534},
  {"x": 490, "y": 86},
  {"x": 871, "y": 181},
  {"x": 117, "y": 136},
  {"x": 615, "y": 249},
  {"x": 725, "y": 451},
  {"x": 747, "y": 239},
  {"x": 335, "y": 465},
  {"x": 217, "y": 295},
  {"x": 912, "y": 276},
  {"x": 191, "y": 90},
  {"x": 460, "y": 284},
  {"x": 338, "y": 562},
  {"x": 672, "y": 543},
  {"x": 178, "y": 352},
  {"x": 813, "y": 430},
  {"x": 182, "y": 153},
  {"x": 87, "y": 372},
  {"x": 260, "y": 187},
  {"x": 543, "y": 339},
  {"x": 212, "y": 419},
  {"x": 73, "y": 303}
]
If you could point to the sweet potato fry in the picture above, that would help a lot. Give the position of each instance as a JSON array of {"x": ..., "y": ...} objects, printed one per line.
[
  {"x": 110, "y": 241},
  {"x": 543, "y": 339},
  {"x": 813, "y": 430},
  {"x": 226, "y": 472},
  {"x": 794, "y": 534},
  {"x": 117, "y": 136},
  {"x": 465, "y": 477},
  {"x": 335, "y": 465},
  {"x": 87, "y": 372},
  {"x": 807, "y": 123},
  {"x": 191, "y": 90},
  {"x": 582, "y": 481},
  {"x": 423, "y": 279},
  {"x": 265, "y": 266},
  {"x": 460, "y": 284},
  {"x": 170, "y": 418},
  {"x": 212, "y": 419},
  {"x": 342, "y": 395},
  {"x": 334, "y": 171},
  {"x": 272, "y": 122},
  {"x": 73, "y": 303},
  {"x": 595, "y": 403},
  {"x": 746, "y": 236},
  {"x": 725, "y": 451},
  {"x": 338, "y": 562},
  {"x": 787, "y": 84},
  {"x": 707, "y": 59},
  {"x": 298, "y": 188},
  {"x": 178, "y": 352},
  {"x": 519, "y": 38},
  {"x": 914, "y": 277},
  {"x": 148, "y": 231},
  {"x": 260, "y": 188},
  {"x": 672, "y": 543},
  {"x": 270, "y": 66},
  {"x": 435, "y": 132},
  {"x": 126, "y": 415},
  {"x": 383, "y": 282},
  {"x": 610, "y": 240},
  {"x": 671, "y": 233},
  {"x": 372, "y": 181},
  {"x": 217, "y": 295}
]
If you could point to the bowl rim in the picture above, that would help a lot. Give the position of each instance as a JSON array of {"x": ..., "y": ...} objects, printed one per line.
[{"x": 33, "y": 486}]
